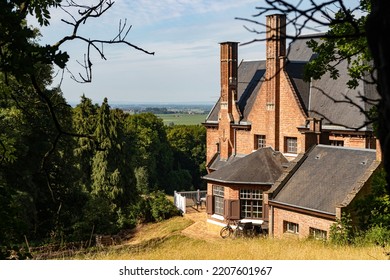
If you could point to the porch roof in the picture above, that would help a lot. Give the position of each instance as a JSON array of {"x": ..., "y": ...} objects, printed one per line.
[{"x": 262, "y": 167}]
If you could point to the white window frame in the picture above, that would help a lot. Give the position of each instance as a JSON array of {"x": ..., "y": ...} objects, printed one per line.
[
  {"x": 260, "y": 141},
  {"x": 317, "y": 233},
  {"x": 251, "y": 201},
  {"x": 291, "y": 142},
  {"x": 219, "y": 193},
  {"x": 291, "y": 227}
]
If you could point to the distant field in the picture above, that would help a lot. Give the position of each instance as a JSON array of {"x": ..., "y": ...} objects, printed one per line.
[{"x": 182, "y": 119}]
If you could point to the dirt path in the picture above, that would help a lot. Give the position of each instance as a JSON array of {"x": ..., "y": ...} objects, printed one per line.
[{"x": 200, "y": 229}]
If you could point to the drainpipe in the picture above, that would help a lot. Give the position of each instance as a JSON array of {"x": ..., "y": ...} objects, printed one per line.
[
  {"x": 271, "y": 226},
  {"x": 235, "y": 145}
]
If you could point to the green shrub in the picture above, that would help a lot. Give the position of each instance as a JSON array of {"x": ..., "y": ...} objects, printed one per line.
[
  {"x": 98, "y": 216},
  {"x": 154, "y": 207},
  {"x": 161, "y": 207},
  {"x": 378, "y": 235},
  {"x": 341, "y": 232}
]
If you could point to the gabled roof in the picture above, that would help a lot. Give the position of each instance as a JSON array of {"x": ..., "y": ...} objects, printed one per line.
[
  {"x": 325, "y": 178},
  {"x": 250, "y": 74},
  {"x": 262, "y": 167},
  {"x": 317, "y": 98},
  {"x": 333, "y": 101}
]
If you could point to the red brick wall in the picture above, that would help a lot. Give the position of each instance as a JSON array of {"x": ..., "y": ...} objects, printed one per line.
[
  {"x": 353, "y": 141},
  {"x": 303, "y": 220},
  {"x": 264, "y": 122},
  {"x": 244, "y": 142},
  {"x": 212, "y": 138},
  {"x": 232, "y": 192},
  {"x": 291, "y": 115}
]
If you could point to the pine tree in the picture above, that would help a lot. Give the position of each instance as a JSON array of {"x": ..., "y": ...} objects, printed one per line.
[{"x": 112, "y": 172}]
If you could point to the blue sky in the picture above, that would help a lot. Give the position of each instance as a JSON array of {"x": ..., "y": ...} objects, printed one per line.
[{"x": 184, "y": 34}]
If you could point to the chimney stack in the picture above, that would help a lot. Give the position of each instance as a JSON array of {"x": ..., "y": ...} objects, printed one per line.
[
  {"x": 228, "y": 112},
  {"x": 275, "y": 57},
  {"x": 276, "y": 36},
  {"x": 229, "y": 65}
]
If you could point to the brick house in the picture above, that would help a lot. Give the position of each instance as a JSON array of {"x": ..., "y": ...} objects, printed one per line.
[
  {"x": 268, "y": 112},
  {"x": 318, "y": 187}
]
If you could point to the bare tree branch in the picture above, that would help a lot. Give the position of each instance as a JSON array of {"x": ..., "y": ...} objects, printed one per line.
[
  {"x": 306, "y": 19},
  {"x": 87, "y": 12}
]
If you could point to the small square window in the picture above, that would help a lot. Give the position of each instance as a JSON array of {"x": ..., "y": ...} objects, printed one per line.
[
  {"x": 259, "y": 141},
  {"x": 291, "y": 227},
  {"x": 291, "y": 146}
]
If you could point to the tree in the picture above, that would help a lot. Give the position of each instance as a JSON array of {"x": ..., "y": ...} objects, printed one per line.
[
  {"x": 37, "y": 181},
  {"x": 374, "y": 209},
  {"x": 84, "y": 122},
  {"x": 39, "y": 175},
  {"x": 20, "y": 53},
  {"x": 188, "y": 144},
  {"x": 112, "y": 173},
  {"x": 153, "y": 158},
  {"x": 355, "y": 35}
]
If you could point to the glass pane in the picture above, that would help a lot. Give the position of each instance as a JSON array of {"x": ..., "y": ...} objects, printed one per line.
[
  {"x": 218, "y": 191},
  {"x": 218, "y": 205}
]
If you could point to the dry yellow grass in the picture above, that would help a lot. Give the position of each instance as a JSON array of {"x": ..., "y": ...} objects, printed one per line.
[{"x": 191, "y": 238}]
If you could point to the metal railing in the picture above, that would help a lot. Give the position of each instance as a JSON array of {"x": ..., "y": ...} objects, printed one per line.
[{"x": 183, "y": 200}]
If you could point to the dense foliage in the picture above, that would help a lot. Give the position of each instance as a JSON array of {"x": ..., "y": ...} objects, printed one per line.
[
  {"x": 101, "y": 184},
  {"x": 68, "y": 173}
]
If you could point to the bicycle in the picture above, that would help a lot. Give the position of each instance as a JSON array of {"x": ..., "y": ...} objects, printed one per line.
[
  {"x": 227, "y": 230},
  {"x": 240, "y": 229}
]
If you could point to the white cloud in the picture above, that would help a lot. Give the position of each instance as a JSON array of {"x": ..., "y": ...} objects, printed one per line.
[{"x": 151, "y": 11}]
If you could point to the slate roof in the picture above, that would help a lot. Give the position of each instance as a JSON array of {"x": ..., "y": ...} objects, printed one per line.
[
  {"x": 217, "y": 163},
  {"x": 328, "y": 100},
  {"x": 327, "y": 177},
  {"x": 249, "y": 78},
  {"x": 262, "y": 167},
  {"x": 317, "y": 98}
]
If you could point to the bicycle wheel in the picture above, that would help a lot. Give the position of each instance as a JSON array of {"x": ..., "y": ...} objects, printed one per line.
[{"x": 226, "y": 232}]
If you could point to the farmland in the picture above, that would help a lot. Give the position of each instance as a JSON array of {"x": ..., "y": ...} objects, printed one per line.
[
  {"x": 182, "y": 118},
  {"x": 171, "y": 114}
]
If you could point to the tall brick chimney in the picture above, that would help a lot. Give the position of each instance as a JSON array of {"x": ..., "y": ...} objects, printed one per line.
[
  {"x": 275, "y": 58},
  {"x": 229, "y": 113}
]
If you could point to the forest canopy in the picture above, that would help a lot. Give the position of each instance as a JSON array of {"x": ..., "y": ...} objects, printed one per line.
[{"x": 67, "y": 173}]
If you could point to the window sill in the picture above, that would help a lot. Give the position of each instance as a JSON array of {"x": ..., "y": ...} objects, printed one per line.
[
  {"x": 217, "y": 217},
  {"x": 290, "y": 155}
]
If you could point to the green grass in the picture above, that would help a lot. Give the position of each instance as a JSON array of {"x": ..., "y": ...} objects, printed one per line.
[{"x": 182, "y": 119}]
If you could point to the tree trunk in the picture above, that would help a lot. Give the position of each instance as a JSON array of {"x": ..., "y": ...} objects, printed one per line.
[{"x": 378, "y": 30}]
